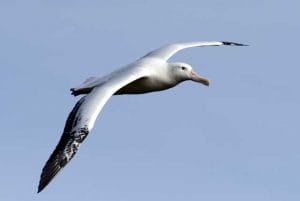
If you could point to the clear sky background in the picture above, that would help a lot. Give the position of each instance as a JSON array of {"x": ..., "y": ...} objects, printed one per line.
[{"x": 235, "y": 140}]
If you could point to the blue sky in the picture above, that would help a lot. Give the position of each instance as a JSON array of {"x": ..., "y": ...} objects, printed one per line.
[{"x": 235, "y": 140}]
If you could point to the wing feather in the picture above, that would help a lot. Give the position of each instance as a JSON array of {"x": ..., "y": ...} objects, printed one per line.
[
  {"x": 166, "y": 52},
  {"x": 81, "y": 120}
]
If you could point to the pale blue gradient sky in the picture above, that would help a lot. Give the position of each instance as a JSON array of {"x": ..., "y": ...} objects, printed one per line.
[{"x": 236, "y": 140}]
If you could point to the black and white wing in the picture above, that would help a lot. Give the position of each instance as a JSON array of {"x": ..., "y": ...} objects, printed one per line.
[
  {"x": 168, "y": 51},
  {"x": 81, "y": 120}
]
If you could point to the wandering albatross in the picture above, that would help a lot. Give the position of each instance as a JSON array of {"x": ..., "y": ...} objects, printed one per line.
[{"x": 150, "y": 73}]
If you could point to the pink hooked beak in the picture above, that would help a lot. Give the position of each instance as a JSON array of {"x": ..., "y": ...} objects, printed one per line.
[{"x": 197, "y": 78}]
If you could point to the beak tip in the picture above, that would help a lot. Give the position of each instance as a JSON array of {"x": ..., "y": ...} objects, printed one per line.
[{"x": 206, "y": 83}]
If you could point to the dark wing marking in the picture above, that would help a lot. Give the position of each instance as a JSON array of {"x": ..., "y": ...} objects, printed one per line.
[
  {"x": 82, "y": 118},
  {"x": 233, "y": 44},
  {"x": 66, "y": 148}
]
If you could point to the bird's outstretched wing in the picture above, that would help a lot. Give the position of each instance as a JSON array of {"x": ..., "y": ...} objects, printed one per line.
[
  {"x": 166, "y": 52},
  {"x": 81, "y": 120}
]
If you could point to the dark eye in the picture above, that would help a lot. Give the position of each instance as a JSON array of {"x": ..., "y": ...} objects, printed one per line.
[{"x": 183, "y": 68}]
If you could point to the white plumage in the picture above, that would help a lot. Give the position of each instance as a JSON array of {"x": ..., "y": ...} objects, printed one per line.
[{"x": 150, "y": 73}]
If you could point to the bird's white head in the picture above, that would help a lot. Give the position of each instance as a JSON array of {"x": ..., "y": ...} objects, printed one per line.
[{"x": 183, "y": 72}]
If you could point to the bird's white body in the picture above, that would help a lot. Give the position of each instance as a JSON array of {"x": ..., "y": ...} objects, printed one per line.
[
  {"x": 149, "y": 73},
  {"x": 155, "y": 78}
]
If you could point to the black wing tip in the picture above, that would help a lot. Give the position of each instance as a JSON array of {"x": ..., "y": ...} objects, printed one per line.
[
  {"x": 233, "y": 43},
  {"x": 42, "y": 185},
  {"x": 56, "y": 162},
  {"x": 48, "y": 173},
  {"x": 40, "y": 188},
  {"x": 73, "y": 92}
]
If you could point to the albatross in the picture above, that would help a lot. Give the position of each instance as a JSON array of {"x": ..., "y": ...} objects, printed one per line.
[{"x": 149, "y": 73}]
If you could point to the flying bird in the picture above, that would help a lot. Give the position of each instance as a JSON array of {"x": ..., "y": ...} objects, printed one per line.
[{"x": 149, "y": 73}]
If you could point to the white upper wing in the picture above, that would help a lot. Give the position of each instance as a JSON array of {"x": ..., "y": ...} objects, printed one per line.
[
  {"x": 168, "y": 51},
  {"x": 95, "y": 100},
  {"x": 82, "y": 118}
]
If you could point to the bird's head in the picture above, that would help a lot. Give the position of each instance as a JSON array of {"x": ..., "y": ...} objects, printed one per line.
[{"x": 183, "y": 71}]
